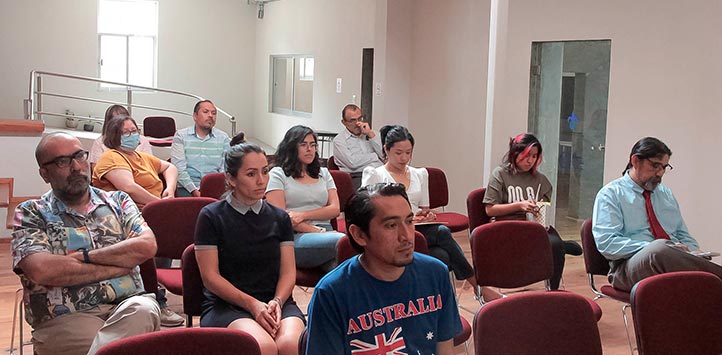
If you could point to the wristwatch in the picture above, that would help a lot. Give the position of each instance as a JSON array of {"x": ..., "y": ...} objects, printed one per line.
[{"x": 86, "y": 257}]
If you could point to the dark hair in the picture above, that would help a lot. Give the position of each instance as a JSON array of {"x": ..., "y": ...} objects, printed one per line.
[
  {"x": 115, "y": 130},
  {"x": 645, "y": 148},
  {"x": 198, "y": 105},
  {"x": 349, "y": 107},
  {"x": 233, "y": 158},
  {"x": 359, "y": 209},
  {"x": 391, "y": 134},
  {"x": 521, "y": 145},
  {"x": 287, "y": 153},
  {"x": 113, "y": 111},
  {"x": 238, "y": 139}
]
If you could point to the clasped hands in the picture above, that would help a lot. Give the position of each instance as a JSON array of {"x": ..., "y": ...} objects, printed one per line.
[{"x": 268, "y": 316}]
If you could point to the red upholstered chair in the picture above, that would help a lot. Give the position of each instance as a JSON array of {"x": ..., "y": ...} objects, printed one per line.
[
  {"x": 678, "y": 313},
  {"x": 192, "y": 285},
  {"x": 331, "y": 164},
  {"x": 213, "y": 185},
  {"x": 476, "y": 209},
  {"x": 513, "y": 254},
  {"x": 345, "y": 251},
  {"x": 555, "y": 323},
  {"x": 596, "y": 264},
  {"x": 161, "y": 128},
  {"x": 439, "y": 197},
  {"x": 211, "y": 341},
  {"x": 344, "y": 189},
  {"x": 173, "y": 222}
]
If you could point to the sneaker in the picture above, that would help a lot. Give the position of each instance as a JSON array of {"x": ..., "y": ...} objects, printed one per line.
[
  {"x": 168, "y": 318},
  {"x": 572, "y": 248}
]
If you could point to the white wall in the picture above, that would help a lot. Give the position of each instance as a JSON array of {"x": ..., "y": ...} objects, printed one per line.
[
  {"x": 334, "y": 33},
  {"x": 205, "y": 49},
  {"x": 663, "y": 83}
]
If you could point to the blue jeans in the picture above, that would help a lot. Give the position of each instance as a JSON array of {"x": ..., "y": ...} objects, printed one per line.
[{"x": 316, "y": 249}]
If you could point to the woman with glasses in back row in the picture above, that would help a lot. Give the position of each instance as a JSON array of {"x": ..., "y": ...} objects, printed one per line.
[
  {"x": 98, "y": 147},
  {"x": 299, "y": 185},
  {"x": 124, "y": 168}
]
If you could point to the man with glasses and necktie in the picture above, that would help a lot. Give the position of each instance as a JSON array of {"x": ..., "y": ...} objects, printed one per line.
[
  {"x": 637, "y": 223},
  {"x": 77, "y": 251},
  {"x": 357, "y": 146}
]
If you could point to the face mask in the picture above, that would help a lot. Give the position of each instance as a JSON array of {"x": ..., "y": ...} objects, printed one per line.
[{"x": 130, "y": 142}]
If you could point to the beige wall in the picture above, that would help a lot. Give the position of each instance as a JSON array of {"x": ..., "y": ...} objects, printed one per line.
[
  {"x": 663, "y": 83},
  {"x": 448, "y": 90},
  {"x": 334, "y": 33}
]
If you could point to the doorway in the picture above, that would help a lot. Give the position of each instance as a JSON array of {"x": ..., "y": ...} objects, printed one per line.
[{"x": 568, "y": 92}]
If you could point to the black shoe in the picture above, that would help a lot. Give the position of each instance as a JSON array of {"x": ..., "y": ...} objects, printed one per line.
[{"x": 572, "y": 248}]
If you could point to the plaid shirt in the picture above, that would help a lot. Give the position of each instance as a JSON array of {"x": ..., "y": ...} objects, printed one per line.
[{"x": 47, "y": 225}]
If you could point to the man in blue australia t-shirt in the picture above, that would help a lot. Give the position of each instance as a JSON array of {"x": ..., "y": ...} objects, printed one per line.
[{"x": 388, "y": 300}]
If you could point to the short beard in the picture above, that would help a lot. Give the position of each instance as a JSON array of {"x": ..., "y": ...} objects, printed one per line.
[
  {"x": 652, "y": 184},
  {"x": 78, "y": 186}
]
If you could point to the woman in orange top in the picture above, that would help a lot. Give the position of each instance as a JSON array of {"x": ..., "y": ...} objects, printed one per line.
[{"x": 125, "y": 169}]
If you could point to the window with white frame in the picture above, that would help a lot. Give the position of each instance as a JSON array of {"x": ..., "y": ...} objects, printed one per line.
[
  {"x": 291, "y": 87},
  {"x": 127, "y": 38}
]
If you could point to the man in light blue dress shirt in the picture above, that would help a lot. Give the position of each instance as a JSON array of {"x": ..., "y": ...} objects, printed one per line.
[
  {"x": 198, "y": 150},
  {"x": 622, "y": 228}
]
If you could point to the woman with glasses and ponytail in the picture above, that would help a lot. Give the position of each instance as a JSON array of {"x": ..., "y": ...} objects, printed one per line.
[
  {"x": 124, "y": 168},
  {"x": 514, "y": 189}
]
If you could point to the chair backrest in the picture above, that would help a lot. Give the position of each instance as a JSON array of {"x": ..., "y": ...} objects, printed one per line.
[
  {"x": 331, "y": 164},
  {"x": 594, "y": 261},
  {"x": 476, "y": 210},
  {"x": 158, "y": 126},
  {"x": 173, "y": 222},
  {"x": 438, "y": 188},
  {"x": 214, "y": 341},
  {"x": 149, "y": 276},
  {"x": 344, "y": 186},
  {"x": 537, "y": 323},
  {"x": 192, "y": 283},
  {"x": 213, "y": 185},
  {"x": 678, "y": 313},
  {"x": 344, "y": 249},
  {"x": 511, "y": 254}
]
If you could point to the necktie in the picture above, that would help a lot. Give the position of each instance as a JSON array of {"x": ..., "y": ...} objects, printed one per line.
[{"x": 654, "y": 225}]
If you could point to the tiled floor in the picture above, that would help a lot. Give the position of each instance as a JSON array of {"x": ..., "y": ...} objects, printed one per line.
[{"x": 611, "y": 326}]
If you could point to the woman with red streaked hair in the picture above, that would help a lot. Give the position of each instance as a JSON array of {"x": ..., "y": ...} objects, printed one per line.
[{"x": 514, "y": 189}]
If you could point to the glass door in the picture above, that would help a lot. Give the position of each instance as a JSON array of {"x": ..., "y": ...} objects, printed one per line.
[{"x": 568, "y": 91}]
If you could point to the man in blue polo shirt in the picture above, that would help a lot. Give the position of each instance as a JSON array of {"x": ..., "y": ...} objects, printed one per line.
[{"x": 198, "y": 150}]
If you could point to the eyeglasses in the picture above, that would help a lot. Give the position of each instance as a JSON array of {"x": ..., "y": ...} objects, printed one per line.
[
  {"x": 128, "y": 133},
  {"x": 64, "y": 161},
  {"x": 304, "y": 145},
  {"x": 659, "y": 166},
  {"x": 356, "y": 119}
]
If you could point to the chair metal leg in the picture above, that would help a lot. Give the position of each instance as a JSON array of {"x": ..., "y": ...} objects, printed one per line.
[
  {"x": 632, "y": 346},
  {"x": 17, "y": 320}
]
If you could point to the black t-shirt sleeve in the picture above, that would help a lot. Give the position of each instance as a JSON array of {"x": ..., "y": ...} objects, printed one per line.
[{"x": 206, "y": 230}]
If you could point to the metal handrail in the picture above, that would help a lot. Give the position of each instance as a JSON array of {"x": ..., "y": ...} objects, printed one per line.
[{"x": 34, "y": 109}]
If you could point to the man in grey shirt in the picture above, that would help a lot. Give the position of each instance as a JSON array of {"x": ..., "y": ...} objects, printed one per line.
[{"x": 357, "y": 146}]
